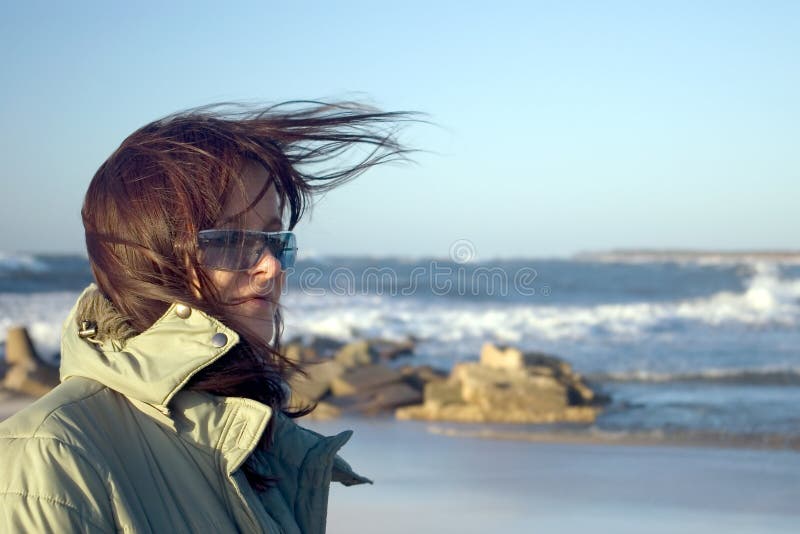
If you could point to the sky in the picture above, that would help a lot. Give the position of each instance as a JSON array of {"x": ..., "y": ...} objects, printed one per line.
[{"x": 559, "y": 127}]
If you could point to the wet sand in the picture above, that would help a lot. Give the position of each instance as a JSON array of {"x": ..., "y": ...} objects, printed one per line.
[{"x": 430, "y": 482}]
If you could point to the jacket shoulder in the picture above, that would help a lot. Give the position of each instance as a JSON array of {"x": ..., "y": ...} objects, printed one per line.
[
  {"x": 43, "y": 417},
  {"x": 49, "y": 481}
]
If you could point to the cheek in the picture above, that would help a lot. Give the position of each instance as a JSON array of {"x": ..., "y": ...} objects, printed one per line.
[
  {"x": 266, "y": 287},
  {"x": 224, "y": 282},
  {"x": 267, "y": 282}
]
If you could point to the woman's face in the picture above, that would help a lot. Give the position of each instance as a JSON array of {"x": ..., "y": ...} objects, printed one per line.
[{"x": 259, "y": 288}]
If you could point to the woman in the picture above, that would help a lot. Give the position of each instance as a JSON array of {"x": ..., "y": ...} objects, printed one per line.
[{"x": 172, "y": 414}]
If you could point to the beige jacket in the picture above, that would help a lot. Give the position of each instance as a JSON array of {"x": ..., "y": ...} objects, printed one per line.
[{"x": 118, "y": 446}]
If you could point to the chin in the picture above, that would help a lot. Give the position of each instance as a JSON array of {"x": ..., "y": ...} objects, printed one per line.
[
  {"x": 264, "y": 328},
  {"x": 258, "y": 309}
]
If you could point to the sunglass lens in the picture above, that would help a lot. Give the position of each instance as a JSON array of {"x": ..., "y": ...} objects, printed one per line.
[
  {"x": 289, "y": 253},
  {"x": 284, "y": 248},
  {"x": 220, "y": 250},
  {"x": 239, "y": 250}
]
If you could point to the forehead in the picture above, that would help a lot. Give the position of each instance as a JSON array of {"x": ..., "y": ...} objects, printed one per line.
[{"x": 252, "y": 201}]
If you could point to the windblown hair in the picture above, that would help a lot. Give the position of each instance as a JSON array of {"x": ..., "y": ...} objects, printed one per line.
[{"x": 170, "y": 179}]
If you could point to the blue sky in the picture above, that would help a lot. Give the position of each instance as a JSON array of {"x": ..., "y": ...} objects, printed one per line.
[{"x": 562, "y": 126}]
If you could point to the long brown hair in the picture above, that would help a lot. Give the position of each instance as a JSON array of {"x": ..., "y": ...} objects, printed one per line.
[{"x": 170, "y": 178}]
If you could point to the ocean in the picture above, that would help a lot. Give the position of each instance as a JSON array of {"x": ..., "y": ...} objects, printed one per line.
[{"x": 701, "y": 345}]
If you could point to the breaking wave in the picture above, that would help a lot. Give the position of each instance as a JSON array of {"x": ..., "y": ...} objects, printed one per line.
[
  {"x": 767, "y": 300},
  {"x": 16, "y": 263}
]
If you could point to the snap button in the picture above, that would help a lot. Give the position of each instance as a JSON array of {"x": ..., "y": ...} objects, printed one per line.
[
  {"x": 219, "y": 340},
  {"x": 183, "y": 311}
]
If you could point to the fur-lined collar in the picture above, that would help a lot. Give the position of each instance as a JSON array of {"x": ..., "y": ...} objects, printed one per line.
[
  {"x": 96, "y": 309},
  {"x": 150, "y": 366}
]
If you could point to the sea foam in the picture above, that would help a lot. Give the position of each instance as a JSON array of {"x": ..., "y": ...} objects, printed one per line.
[
  {"x": 11, "y": 262},
  {"x": 766, "y": 300}
]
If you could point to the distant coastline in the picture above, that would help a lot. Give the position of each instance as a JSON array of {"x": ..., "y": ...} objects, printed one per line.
[{"x": 689, "y": 255}]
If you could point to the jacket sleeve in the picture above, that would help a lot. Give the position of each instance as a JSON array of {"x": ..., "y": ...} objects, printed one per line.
[{"x": 49, "y": 486}]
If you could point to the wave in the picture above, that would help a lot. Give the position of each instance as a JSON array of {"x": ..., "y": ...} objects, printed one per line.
[
  {"x": 16, "y": 262},
  {"x": 767, "y": 300},
  {"x": 771, "y": 377},
  {"x": 725, "y": 330}
]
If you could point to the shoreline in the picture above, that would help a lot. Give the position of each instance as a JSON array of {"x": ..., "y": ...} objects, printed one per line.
[{"x": 705, "y": 440}]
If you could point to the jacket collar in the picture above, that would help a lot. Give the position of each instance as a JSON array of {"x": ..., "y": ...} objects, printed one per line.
[{"x": 150, "y": 367}]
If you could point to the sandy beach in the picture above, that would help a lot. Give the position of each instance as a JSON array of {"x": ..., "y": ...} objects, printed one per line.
[{"x": 428, "y": 482}]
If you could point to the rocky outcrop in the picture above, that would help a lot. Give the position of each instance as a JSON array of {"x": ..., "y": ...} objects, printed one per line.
[
  {"x": 353, "y": 354},
  {"x": 362, "y": 377},
  {"x": 25, "y": 371},
  {"x": 508, "y": 386},
  {"x": 354, "y": 377}
]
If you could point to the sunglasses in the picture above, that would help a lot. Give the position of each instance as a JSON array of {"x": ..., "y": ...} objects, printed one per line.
[{"x": 239, "y": 250}]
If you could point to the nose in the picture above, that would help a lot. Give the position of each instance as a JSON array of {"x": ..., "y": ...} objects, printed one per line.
[
  {"x": 265, "y": 276},
  {"x": 267, "y": 266}
]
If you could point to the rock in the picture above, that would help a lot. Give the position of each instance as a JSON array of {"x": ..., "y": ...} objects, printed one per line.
[
  {"x": 459, "y": 413},
  {"x": 324, "y": 411},
  {"x": 355, "y": 354},
  {"x": 580, "y": 393},
  {"x": 320, "y": 348},
  {"x": 511, "y": 358},
  {"x": 19, "y": 348},
  {"x": 299, "y": 353},
  {"x": 470, "y": 413},
  {"x": 367, "y": 389},
  {"x": 26, "y": 372},
  {"x": 443, "y": 392},
  {"x": 500, "y": 358},
  {"x": 317, "y": 381},
  {"x": 580, "y": 414},
  {"x": 293, "y": 352},
  {"x": 361, "y": 352},
  {"x": 36, "y": 383},
  {"x": 418, "y": 376},
  {"x": 500, "y": 389},
  {"x": 389, "y": 398},
  {"x": 541, "y": 370},
  {"x": 540, "y": 359},
  {"x": 508, "y": 386},
  {"x": 361, "y": 379},
  {"x": 386, "y": 350},
  {"x": 325, "y": 347},
  {"x": 542, "y": 364},
  {"x": 383, "y": 398}
]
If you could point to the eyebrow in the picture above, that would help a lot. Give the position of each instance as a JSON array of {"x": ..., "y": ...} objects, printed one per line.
[
  {"x": 274, "y": 222},
  {"x": 269, "y": 226}
]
